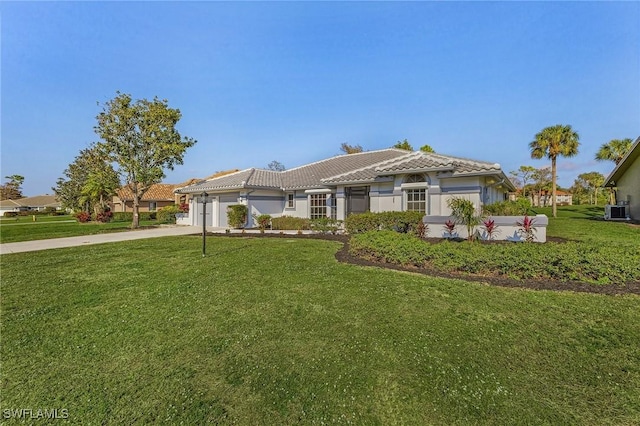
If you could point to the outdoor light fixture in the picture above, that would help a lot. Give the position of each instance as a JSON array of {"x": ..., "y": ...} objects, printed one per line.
[{"x": 204, "y": 223}]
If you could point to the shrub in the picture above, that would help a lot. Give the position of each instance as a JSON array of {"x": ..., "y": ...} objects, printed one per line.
[
  {"x": 402, "y": 222},
  {"x": 325, "y": 225},
  {"x": 83, "y": 217},
  {"x": 128, "y": 216},
  {"x": 10, "y": 214},
  {"x": 290, "y": 223},
  {"x": 104, "y": 216},
  {"x": 184, "y": 208},
  {"x": 237, "y": 215},
  {"x": 122, "y": 217},
  {"x": 363, "y": 222},
  {"x": 421, "y": 230},
  {"x": 167, "y": 214},
  {"x": 520, "y": 207},
  {"x": 262, "y": 221}
]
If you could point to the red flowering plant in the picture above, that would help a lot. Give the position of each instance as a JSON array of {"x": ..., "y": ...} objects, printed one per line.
[
  {"x": 490, "y": 228},
  {"x": 450, "y": 227},
  {"x": 83, "y": 217},
  {"x": 527, "y": 228},
  {"x": 184, "y": 208}
]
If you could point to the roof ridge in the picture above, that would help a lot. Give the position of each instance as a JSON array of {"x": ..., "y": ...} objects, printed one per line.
[
  {"x": 374, "y": 166},
  {"x": 341, "y": 155},
  {"x": 230, "y": 174}
]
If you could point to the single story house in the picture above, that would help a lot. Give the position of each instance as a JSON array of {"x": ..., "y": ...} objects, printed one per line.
[
  {"x": 36, "y": 203},
  {"x": 157, "y": 196},
  {"x": 626, "y": 178},
  {"x": 384, "y": 180}
]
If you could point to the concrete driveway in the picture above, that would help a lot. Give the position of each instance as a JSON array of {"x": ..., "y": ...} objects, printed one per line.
[{"x": 97, "y": 239}]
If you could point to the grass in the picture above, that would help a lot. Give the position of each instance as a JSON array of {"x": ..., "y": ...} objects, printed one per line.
[
  {"x": 45, "y": 227},
  {"x": 585, "y": 223},
  {"x": 275, "y": 331}
]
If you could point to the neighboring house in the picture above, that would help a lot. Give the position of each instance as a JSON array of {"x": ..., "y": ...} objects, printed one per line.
[
  {"x": 563, "y": 198},
  {"x": 157, "y": 196},
  {"x": 384, "y": 180},
  {"x": 626, "y": 178},
  {"x": 37, "y": 203},
  {"x": 11, "y": 206}
]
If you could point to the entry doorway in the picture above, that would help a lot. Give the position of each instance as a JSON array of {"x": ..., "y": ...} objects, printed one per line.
[{"x": 357, "y": 199}]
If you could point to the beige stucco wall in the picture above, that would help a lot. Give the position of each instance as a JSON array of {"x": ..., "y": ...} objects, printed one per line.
[{"x": 629, "y": 188}]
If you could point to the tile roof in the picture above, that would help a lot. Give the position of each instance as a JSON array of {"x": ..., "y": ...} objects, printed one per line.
[
  {"x": 248, "y": 178},
  {"x": 306, "y": 176},
  {"x": 348, "y": 168},
  {"x": 157, "y": 192},
  {"x": 36, "y": 201},
  {"x": 416, "y": 161},
  {"x": 313, "y": 175}
]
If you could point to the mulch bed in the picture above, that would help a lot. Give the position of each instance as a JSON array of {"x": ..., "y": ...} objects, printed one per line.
[{"x": 343, "y": 255}]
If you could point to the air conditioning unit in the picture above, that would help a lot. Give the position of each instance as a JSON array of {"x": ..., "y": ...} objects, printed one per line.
[{"x": 619, "y": 212}]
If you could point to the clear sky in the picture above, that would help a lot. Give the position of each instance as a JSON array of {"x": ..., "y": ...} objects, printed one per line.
[{"x": 291, "y": 81}]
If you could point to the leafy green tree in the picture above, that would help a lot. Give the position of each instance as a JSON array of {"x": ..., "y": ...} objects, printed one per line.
[
  {"x": 541, "y": 183},
  {"x": 350, "y": 149},
  {"x": 101, "y": 185},
  {"x": 593, "y": 181},
  {"x": 276, "y": 166},
  {"x": 403, "y": 145},
  {"x": 553, "y": 142},
  {"x": 426, "y": 148},
  {"x": 88, "y": 181},
  {"x": 523, "y": 176},
  {"x": 141, "y": 138},
  {"x": 614, "y": 150},
  {"x": 12, "y": 190}
]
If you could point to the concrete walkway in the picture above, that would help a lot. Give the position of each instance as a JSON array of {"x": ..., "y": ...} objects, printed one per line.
[{"x": 113, "y": 237}]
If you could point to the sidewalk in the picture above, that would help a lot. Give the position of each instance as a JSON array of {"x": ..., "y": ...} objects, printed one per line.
[{"x": 55, "y": 243}]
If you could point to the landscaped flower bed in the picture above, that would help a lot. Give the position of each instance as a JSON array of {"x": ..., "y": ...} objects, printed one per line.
[{"x": 569, "y": 261}]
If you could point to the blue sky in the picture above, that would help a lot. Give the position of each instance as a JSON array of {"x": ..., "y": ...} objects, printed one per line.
[{"x": 291, "y": 81}]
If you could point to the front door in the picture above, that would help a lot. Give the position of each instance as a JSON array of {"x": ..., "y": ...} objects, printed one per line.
[{"x": 357, "y": 199}]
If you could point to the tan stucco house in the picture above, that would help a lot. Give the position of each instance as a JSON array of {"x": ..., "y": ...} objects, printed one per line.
[{"x": 626, "y": 179}]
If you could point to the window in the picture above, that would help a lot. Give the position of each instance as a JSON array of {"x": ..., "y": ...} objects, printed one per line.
[
  {"x": 290, "y": 200},
  {"x": 153, "y": 206},
  {"x": 317, "y": 206},
  {"x": 417, "y": 200},
  {"x": 415, "y": 188}
]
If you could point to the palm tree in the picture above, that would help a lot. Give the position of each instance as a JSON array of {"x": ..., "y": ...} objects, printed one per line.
[
  {"x": 614, "y": 151},
  {"x": 554, "y": 141}
]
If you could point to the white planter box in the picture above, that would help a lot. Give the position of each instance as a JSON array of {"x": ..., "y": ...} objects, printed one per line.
[{"x": 506, "y": 228}]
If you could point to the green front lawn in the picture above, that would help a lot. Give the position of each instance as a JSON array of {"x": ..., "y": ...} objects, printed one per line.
[
  {"x": 45, "y": 227},
  {"x": 276, "y": 331}
]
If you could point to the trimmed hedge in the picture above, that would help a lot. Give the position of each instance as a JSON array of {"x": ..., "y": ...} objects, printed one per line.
[
  {"x": 128, "y": 216},
  {"x": 283, "y": 223},
  {"x": 402, "y": 222},
  {"x": 167, "y": 214}
]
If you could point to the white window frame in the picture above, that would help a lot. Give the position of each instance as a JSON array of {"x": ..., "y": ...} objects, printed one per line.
[
  {"x": 154, "y": 204},
  {"x": 413, "y": 187},
  {"x": 290, "y": 202}
]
